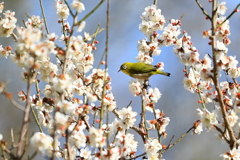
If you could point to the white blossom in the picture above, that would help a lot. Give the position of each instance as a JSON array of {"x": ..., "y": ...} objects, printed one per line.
[
  {"x": 222, "y": 8},
  {"x": 135, "y": 87},
  {"x": 78, "y": 6},
  {"x": 41, "y": 142},
  {"x": 96, "y": 137},
  {"x": 152, "y": 147},
  {"x": 127, "y": 117},
  {"x": 62, "y": 10}
]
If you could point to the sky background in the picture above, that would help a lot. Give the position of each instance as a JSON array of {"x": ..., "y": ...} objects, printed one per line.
[{"x": 177, "y": 103}]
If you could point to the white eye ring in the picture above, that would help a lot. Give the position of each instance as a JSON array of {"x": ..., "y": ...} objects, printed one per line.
[{"x": 124, "y": 67}]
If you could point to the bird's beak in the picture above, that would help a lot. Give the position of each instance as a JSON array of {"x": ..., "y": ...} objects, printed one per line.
[{"x": 119, "y": 70}]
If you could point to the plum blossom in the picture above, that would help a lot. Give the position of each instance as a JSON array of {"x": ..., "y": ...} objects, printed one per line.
[
  {"x": 62, "y": 10},
  {"x": 208, "y": 119},
  {"x": 190, "y": 82},
  {"x": 1, "y": 7},
  {"x": 41, "y": 142},
  {"x": 135, "y": 87},
  {"x": 67, "y": 107},
  {"x": 78, "y": 6},
  {"x": 127, "y": 144},
  {"x": 61, "y": 122},
  {"x": 7, "y": 24},
  {"x": 127, "y": 117},
  {"x": 152, "y": 147},
  {"x": 232, "y": 154},
  {"x": 152, "y": 20},
  {"x": 35, "y": 21},
  {"x": 154, "y": 94},
  {"x": 85, "y": 153},
  {"x": 222, "y": 8},
  {"x": 96, "y": 137},
  {"x": 78, "y": 138}
]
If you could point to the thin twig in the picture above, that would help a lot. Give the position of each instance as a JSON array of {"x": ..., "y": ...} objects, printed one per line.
[
  {"x": 204, "y": 12},
  {"x": 91, "y": 12},
  {"x": 53, "y": 134},
  {"x": 234, "y": 11},
  {"x": 36, "y": 119},
  {"x": 199, "y": 91},
  {"x": 138, "y": 156},
  {"x": 179, "y": 139},
  {"x": 14, "y": 102},
  {"x": 14, "y": 37},
  {"x": 33, "y": 155},
  {"x": 67, "y": 41},
  {"x": 95, "y": 34},
  {"x": 12, "y": 137},
  {"x": 170, "y": 141},
  {"x": 222, "y": 133},
  {"x": 182, "y": 16},
  {"x": 106, "y": 60},
  {"x": 44, "y": 17},
  {"x": 106, "y": 64}
]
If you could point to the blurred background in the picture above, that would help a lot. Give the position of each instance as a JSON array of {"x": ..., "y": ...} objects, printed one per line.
[{"x": 177, "y": 103}]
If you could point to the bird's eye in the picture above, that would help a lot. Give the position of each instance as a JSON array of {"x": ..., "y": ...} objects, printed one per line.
[{"x": 124, "y": 67}]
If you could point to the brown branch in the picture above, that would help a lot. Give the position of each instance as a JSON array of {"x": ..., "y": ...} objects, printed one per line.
[
  {"x": 142, "y": 124},
  {"x": 25, "y": 118},
  {"x": 170, "y": 141},
  {"x": 222, "y": 133},
  {"x": 69, "y": 154},
  {"x": 232, "y": 142}
]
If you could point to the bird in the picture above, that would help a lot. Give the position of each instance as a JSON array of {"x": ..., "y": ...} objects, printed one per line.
[{"x": 141, "y": 70}]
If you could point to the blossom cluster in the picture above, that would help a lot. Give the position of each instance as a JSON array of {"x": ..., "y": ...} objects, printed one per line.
[
  {"x": 7, "y": 23},
  {"x": 152, "y": 22},
  {"x": 199, "y": 72},
  {"x": 76, "y": 95},
  {"x": 74, "y": 92},
  {"x": 200, "y": 79}
]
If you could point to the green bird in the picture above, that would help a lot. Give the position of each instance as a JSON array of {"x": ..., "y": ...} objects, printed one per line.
[{"x": 140, "y": 70}]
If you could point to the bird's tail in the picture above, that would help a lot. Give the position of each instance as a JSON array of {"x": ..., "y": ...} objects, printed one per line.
[{"x": 164, "y": 73}]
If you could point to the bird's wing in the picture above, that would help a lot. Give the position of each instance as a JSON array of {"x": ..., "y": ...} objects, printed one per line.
[{"x": 146, "y": 68}]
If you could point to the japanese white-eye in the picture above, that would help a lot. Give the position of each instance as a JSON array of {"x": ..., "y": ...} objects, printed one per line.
[{"x": 141, "y": 70}]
